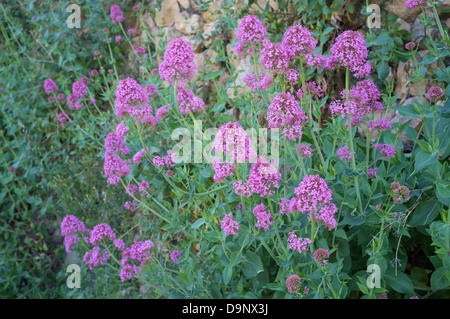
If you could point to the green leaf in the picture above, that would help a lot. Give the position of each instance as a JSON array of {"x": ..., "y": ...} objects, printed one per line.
[
  {"x": 443, "y": 193},
  {"x": 408, "y": 110},
  {"x": 227, "y": 272},
  {"x": 382, "y": 70},
  {"x": 214, "y": 74},
  {"x": 252, "y": 265},
  {"x": 212, "y": 237},
  {"x": 439, "y": 279},
  {"x": 425, "y": 213},
  {"x": 382, "y": 39},
  {"x": 198, "y": 223},
  {"x": 424, "y": 159},
  {"x": 235, "y": 258},
  {"x": 428, "y": 59},
  {"x": 363, "y": 288},
  {"x": 340, "y": 233},
  {"x": 400, "y": 283}
]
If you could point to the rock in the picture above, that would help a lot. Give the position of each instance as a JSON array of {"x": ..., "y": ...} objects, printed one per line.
[
  {"x": 196, "y": 43},
  {"x": 223, "y": 79},
  {"x": 397, "y": 7},
  {"x": 418, "y": 32},
  {"x": 212, "y": 55},
  {"x": 201, "y": 61},
  {"x": 273, "y": 4},
  {"x": 443, "y": 9},
  {"x": 405, "y": 89},
  {"x": 170, "y": 33},
  {"x": 165, "y": 17},
  {"x": 184, "y": 3},
  {"x": 447, "y": 22},
  {"x": 208, "y": 30},
  {"x": 404, "y": 25},
  {"x": 234, "y": 60},
  {"x": 239, "y": 88},
  {"x": 188, "y": 24},
  {"x": 213, "y": 12},
  {"x": 149, "y": 21}
]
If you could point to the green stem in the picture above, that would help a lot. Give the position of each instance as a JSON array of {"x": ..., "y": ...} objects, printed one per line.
[{"x": 350, "y": 130}]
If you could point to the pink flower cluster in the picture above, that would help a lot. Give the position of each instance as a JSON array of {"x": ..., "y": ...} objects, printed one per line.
[
  {"x": 162, "y": 112},
  {"x": 233, "y": 142},
  {"x": 189, "y": 102},
  {"x": 264, "y": 217},
  {"x": 411, "y": 4},
  {"x": 321, "y": 256},
  {"x": 312, "y": 89},
  {"x": 229, "y": 226},
  {"x": 222, "y": 170},
  {"x": 116, "y": 14},
  {"x": 293, "y": 283},
  {"x": 71, "y": 225},
  {"x": 313, "y": 196},
  {"x": 132, "y": 101},
  {"x": 298, "y": 41},
  {"x": 292, "y": 76},
  {"x": 263, "y": 176},
  {"x": 63, "y": 118},
  {"x": 401, "y": 193},
  {"x": 138, "y": 252},
  {"x": 50, "y": 86},
  {"x": 122, "y": 130},
  {"x": 382, "y": 124},
  {"x": 349, "y": 50},
  {"x": 304, "y": 150},
  {"x": 250, "y": 33},
  {"x": 285, "y": 112},
  {"x": 274, "y": 57},
  {"x": 372, "y": 172},
  {"x": 178, "y": 64},
  {"x": 263, "y": 84},
  {"x": 385, "y": 150},
  {"x": 344, "y": 152},
  {"x": 137, "y": 158},
  {"x": 410, "y": 46},
  {"x": 174, "y": 255},
  {"x": 363, "y": 101},
  {"x": 298, "y": 243},
  {"x": 151, "y": 90},
  {"x": 79, "y": 89},
  {"x": 132, "y": 192},
  {"x": 115, "y": 144},
  {"x": 164, "y": 161},
  {"x": 114, "y": 166},
  {"x": 140, "y": 51},
  {"x": 95, "y": 257},
  {"x": 100, "y": 232},
  {"x": 435, "y": 93}
]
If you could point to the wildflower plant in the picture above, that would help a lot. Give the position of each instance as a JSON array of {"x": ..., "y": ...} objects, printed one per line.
[
  {"x": 254, "y": 215},
  {"x": 194, "y": 206}
]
